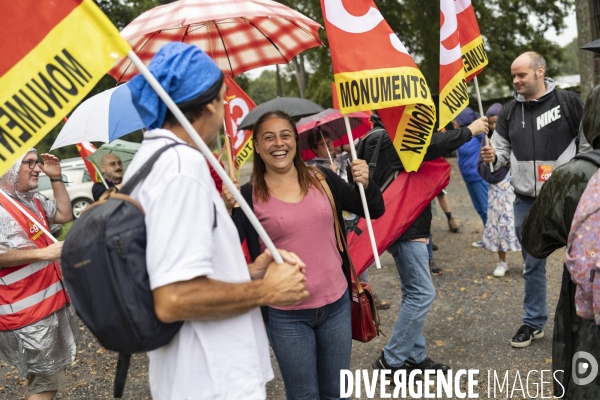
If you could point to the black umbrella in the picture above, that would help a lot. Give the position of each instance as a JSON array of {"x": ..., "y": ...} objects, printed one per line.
[
  {"x": 594, "y": 46},
  {"x": 293, "y": 106}
]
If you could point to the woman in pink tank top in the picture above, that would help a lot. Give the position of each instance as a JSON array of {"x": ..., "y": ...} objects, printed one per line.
[{"x": 311, "y": 339}]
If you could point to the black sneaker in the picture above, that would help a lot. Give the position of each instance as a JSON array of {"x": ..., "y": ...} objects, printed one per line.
[
  {"x": 427, "y": 364},
  {"x": 525, "y": 335},
  {"x": 382, "y": 364}
]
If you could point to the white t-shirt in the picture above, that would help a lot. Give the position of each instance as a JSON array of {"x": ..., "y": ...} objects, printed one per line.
[{"x": 224, "y": 359}]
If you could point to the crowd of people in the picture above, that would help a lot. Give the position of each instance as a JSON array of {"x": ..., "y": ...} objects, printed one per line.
[{"x": 518, "y": 170}]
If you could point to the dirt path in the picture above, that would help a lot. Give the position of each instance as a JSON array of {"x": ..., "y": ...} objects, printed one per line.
[{"x": 469, "y": 326}]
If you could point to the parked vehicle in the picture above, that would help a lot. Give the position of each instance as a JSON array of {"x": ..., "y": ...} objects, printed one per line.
[{"x": 78, "y": 183}]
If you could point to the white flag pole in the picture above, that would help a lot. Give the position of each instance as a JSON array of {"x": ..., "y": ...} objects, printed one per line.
[
  {"x": 361, "y": 190},
  {"x": 491, "y": 165},
  {"x": 326, "y": 147},
  {"x": 28, "y": 215},
  {"x": 210, "y": 158}
]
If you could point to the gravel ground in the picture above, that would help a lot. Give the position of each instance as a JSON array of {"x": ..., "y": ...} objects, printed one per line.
[{"x": 469, "y": 326}]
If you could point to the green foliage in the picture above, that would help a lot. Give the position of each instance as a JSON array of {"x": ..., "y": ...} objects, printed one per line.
[{"x": 570, "y": 65}]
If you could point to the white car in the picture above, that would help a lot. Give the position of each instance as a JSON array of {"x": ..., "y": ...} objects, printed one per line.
[{"x": 79, "y": 186}]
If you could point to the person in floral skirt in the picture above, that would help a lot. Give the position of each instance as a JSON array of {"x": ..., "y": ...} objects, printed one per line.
[{"x": 499, "y": 234}]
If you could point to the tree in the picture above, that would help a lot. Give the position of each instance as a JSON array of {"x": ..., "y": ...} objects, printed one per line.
[
  {"x": 570, "y": 65},
  {"x": 585, "y": 58}
]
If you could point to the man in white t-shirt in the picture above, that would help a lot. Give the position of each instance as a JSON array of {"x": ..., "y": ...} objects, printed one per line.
[{"x": 196, "y": 267}]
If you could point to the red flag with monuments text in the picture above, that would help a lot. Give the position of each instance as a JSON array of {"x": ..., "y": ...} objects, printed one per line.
[
  {"x": 239, "y": 104},
  {"x": 53, "y": 54},
  {"x": 86, "y": 149},
  {"x": 454, "y": 96},
  {"x": 373, "y": 71},
  {"x": 471, "y": 43}
]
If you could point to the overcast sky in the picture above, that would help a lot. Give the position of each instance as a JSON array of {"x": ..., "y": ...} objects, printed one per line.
[{"x": 568, "y": 34}]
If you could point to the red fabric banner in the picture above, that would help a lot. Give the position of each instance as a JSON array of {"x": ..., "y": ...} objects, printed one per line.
[{"x": 239, "y": 104}]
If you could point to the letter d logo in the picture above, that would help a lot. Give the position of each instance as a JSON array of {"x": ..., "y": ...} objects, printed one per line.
[{"x": 583, "y": 368}]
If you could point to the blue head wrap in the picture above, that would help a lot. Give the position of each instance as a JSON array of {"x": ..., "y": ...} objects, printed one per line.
[
  {"x": 183, "y": 70},
  {"x": 466, "y": 116},
  {"x": 493, "y": 110}
]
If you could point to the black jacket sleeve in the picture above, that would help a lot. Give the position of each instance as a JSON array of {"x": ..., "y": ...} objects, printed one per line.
[
  {"x": 243, "y": 225},
  {"x": 577, "y": 107},
  {"x": 347, "y": 196},
  {"x": 446, "y": 142}
]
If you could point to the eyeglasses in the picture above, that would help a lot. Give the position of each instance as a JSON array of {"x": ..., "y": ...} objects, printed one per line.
[
  {"x": 31, "y": 163},
  {"x": 115, "y": 163}
]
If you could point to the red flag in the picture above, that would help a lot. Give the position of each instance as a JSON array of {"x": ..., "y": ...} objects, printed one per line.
[
  {"x": 454, "y": 96},
  {"x": 387, "y": 79},
  {"x": 53, "y": 54},
  {"x": 239, "y": 105},
  {"x": 471, "y": 43},
  {"x": 85, "y": 149}
]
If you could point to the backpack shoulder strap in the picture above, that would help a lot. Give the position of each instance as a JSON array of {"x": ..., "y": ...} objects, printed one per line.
[
  {"x": 143, "y": 172},
  {"x": 510, "y": 109},
  {"x": 591, "y": 156},
  {"x": 565, "y": 105}
]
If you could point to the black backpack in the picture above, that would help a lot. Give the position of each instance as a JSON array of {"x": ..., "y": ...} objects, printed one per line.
[
  {"x": 104, "y": 266},
  {"x": 377, "y": 149}
]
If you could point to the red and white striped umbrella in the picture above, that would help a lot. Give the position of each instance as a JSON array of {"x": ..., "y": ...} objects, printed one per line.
[{"x": 239, "y": 35}]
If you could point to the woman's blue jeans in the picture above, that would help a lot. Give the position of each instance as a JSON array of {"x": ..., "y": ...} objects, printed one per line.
[
  {"x": 407, "y": 341},
  {"x": 311, "y": 347}
]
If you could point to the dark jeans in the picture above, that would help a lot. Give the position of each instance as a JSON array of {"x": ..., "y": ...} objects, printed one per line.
[{"x": 311, "y": 347}]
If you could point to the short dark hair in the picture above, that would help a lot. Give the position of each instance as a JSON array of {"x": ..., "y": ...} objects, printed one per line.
[{"x": 315, "y": 136}]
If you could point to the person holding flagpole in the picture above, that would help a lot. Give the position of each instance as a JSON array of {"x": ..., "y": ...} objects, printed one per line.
[
  {"x": 221, "y": 350},
  {"x": 38, "y": 328},
  {"x": 312, "y": 338},
  {"x": 405, "y": 349}
]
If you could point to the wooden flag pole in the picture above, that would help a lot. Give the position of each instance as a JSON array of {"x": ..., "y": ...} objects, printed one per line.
[
  {"x": 210, "y": 158},
  {"x": 487, "y": 142},
  {"x": 361, "y": 190}
]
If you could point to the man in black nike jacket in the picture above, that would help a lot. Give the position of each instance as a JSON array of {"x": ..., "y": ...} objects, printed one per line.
[{"x": 536, "y": 132}]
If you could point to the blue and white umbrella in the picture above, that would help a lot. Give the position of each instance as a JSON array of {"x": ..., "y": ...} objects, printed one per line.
[{"x": 101, "y": 118}]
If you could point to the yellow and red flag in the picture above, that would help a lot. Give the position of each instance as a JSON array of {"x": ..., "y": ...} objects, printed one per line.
[
  {"x": 386, "y": 79},
  {"x": 239, "y": 105},
  {"x": 53, "y": 54},
  {"x": 454, "y": 95},
  {"x": 86, "y": 149},
  {"x": 471, "y": 43}
]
